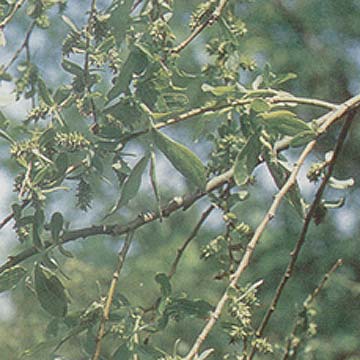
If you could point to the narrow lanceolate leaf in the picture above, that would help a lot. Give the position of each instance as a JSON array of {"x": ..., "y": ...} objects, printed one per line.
[
  {"x": 45, "y": 93},
  {"x": 132, "y": 184},
  {"x": 6, "y": 136},
  {"x": 50, "y": 291},
  {"x": 10, "y": 277},
  {"x": 165, "y": 285},
  {"x": 219, "y": 90},
  {"x": 184, "y": 160},
  {"x": 302, "y": 138},
  {"x": 280, "y": 175},
  {"x": 56, "y": 225},
  {"x": 154, "y": 182},
  {"x": 247, "y": 160},
  {"x": 283, "y": 122}
]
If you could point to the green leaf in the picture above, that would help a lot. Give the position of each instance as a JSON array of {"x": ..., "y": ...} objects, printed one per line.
[
  {"x": 56, "y": 226},
  {"x": 154, "y": 182},
  {"x": 283, "y": 122},
  {"x": 302, "y": 138},
  {"x": 134, "y": 64},
  {"x": 259, "y": 105},
  {"x": 72, "y": 68},
  {"x": 50, "y": 291},
  {"x": 165, "y": 285},
  {"x": 45, "y": 93},
  {"x": 122, "y": 353},
  {"x": 6, "y": 136},
  {"x": 120, "y": 10},
  {"x": 131, "y": 185},
  {"x": 241, "y": 173},
  {"x": 47, "y": 136},
  {"x": 62, "y": 163},
  {"x": 280, "y": 79},
  {"x": 247, "y": 160},
  {"x": 183, "y": 159},
  {"x": 10, "y": 277},
  {"x": 197, "y": 308},
  {"x": 280, "y": 174},
  {"x": 219, "y": 90}
]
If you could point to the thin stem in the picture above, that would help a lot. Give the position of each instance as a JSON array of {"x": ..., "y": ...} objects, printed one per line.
[
  {"x": 332, "y": 117},
  {"x": 295, "y": 252},
  {"x": 212, "y": 18},
  {"x": 22, "y": 46},
  {"x": 88, "y": 31},
  {"x": 183, "y": 247},
  {"x": 110, "y": 296},
  {"x": 12, "y": 13},
  {"x": 290, "y": 345}
]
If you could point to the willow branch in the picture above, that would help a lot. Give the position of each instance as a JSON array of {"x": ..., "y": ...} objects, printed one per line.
[
  {"x": 174, "y": 205},
  {"x": 290, "y": 345},
  {"x": 109, "y": 299},
  {"x": 295, "y": 252},
  {"x": 330, "y": 119},
  {"x": 211, "y": 20},
  {"x": 179, "y": 202},
  {"x": 183, "y": 247},
  {"x": 12, "y": 13},
  {"x": 22, "y": 46}
]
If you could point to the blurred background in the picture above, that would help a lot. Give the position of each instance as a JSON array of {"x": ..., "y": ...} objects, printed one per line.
[{"x": 319, "y": 41}]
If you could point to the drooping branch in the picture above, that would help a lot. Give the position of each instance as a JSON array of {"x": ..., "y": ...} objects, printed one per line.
[
  {"x": 179, "y": 202},
  {"x": 291, "y": 346},
  {"x": 299, "y": 244},
  {"x": 22, "y": 46},
  {"x": 110, "y": 296},
  {"x": 327, "y": 120},
  {"x": 210, "y": 20},
  {"x": 183, "y": 247}
]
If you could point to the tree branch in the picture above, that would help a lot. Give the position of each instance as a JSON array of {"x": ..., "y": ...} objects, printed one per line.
[
  {"x": 175, "y": 204},
  {"x": 295, "y": 252},
  {"x": 328, "y": 120},
  {"x": 183, "y": 247},
  {"x": 307, "y": 302},
  {"x": 212, "y": 18},
  {"x": 109, "y": 299},
  {"x": 22, "y": 46},
  {"x": 12, "y": 13}
]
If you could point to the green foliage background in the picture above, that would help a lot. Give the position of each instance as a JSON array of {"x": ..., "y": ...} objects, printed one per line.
[{"x": 319, "y": 41}]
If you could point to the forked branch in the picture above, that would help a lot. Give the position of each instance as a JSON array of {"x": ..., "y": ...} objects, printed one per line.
[{"x": 327, "y": 121}]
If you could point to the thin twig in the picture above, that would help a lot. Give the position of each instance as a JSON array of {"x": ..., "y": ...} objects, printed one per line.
[
  {"x": 12, "y": 214},
  {"x": 22, "y": 46},
  {"x": 212, "y": 18},
  {"x": 88, "y": 31},
  {"x": 12, "y": 13},
  {"x": 181, "y": 249},
  {"x": 110, "y": 296},
  {"x": 290, "y": 344},
  {"x": 332, "y": 117},
  {"x": 295, "y": 252}
]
